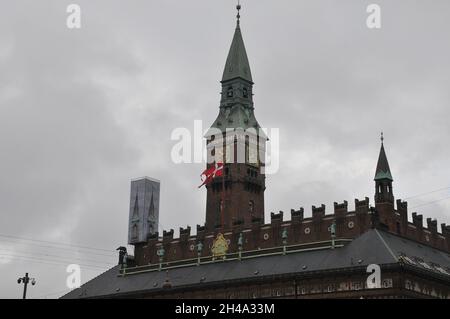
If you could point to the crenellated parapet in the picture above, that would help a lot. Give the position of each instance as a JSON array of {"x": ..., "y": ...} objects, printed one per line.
[
  {"x": 432, "y": 225},
  {"x": 402, "y": 205},
  {"x": 318, "y": 212},
  {"x": 445, "y": 229},
  {"x": 417, "y": 220},
  {"x": 340, "y": 209},
  {"x": 362, "y": 205},
  {"x": 276, "y": 218},
  {"x": 297, "y": 215},
  {"x": 297, "y": 230},
  {"x": 168, "y": 235},
  {"x": 185, "y": 233},
  {"x": 446, "y": 233}
]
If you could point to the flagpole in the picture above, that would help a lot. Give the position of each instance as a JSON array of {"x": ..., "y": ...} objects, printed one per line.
[{"x": 223, "y": 196}]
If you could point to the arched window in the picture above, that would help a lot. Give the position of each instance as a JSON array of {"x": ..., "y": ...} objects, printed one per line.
[
  {"x": 247, "y": 149},
  {"x": 245, "y": 92},
  {"x": 251, "y": 206},
  {"x": 230, "y": 91},
  {"x": 135, "y": 232}
]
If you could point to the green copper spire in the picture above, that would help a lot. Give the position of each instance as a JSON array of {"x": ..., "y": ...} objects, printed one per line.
[
  {"x": 237, "y": 65},
  {"x": 383, "y": 171},
  {"x": 236, "y": 103}
]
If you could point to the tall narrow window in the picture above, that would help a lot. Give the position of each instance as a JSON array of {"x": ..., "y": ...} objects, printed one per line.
[
  {"x": 247, "y": 150},
  {"x": 251, "y": 206},
  {"x": 135, "y": 231},
  {"x": 245, "y": 92},
  {"x": 136, "y": 209}
]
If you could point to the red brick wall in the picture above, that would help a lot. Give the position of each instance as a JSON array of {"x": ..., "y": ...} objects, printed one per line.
[{"x": 300, "y": 230}]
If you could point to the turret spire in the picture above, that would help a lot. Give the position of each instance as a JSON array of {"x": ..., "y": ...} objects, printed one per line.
[
  {"x": 383, "y": 171},
  {"x": 383, "y": 178}
]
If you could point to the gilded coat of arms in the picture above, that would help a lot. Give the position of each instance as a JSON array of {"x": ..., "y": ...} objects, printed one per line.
[{"x": 220, "y": 246}]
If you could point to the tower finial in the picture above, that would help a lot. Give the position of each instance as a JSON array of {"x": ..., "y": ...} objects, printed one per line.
[
  {"x": 238, "y": 7},
  {"x": 382, "y": 137}
]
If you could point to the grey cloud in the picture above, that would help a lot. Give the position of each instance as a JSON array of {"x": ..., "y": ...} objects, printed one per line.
[{"x": 82, "y": 112}]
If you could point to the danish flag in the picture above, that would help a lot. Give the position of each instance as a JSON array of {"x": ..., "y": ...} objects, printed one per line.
[{"x": 208, "y": 174}]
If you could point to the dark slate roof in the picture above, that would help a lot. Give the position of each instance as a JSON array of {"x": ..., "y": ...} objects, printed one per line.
[
  {"x": 372, "y": 247},
  {"x": 383, "y": 171},
  {"x": 417, "y": 254}
]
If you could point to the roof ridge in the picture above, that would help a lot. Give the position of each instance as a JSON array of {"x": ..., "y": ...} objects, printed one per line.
[{"x": 386, "y": 245}]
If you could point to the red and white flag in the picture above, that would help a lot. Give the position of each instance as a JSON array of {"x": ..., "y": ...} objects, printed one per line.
[{"x": 208, "y": 174}]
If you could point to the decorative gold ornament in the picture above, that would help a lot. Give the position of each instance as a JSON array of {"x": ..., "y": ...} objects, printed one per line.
[{"x": 220, "y": 246}]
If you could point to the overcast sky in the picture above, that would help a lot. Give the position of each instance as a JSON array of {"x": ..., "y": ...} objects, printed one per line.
[{"x": 82, "y": 112}]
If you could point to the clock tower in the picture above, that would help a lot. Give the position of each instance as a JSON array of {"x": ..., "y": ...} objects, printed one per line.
[{"x": 236, "y": 139}]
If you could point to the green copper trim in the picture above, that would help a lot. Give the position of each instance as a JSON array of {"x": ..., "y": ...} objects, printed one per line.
[{"x": 383, "y": 175}]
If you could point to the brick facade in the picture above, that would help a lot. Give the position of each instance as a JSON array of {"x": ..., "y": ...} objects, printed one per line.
[{"x": 349, "y": 224}]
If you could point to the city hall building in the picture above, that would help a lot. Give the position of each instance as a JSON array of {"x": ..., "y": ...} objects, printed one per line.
[{"x": 236, "y": 253}]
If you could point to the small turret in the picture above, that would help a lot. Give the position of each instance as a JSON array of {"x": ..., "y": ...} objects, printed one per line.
[{"x": 383, "y": 178}]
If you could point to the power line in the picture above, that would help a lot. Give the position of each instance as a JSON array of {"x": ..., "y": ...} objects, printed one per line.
[
  {"x": 427, "y": 193},
  {"x": 66, "y": 249},
  {"x": 49, "y": 261},
  {"x": 63, "y": 258},
  {"x": 432, "y": 202},
  {"x": 29, "y": 259},
  {"x": 55, "y": 243}
]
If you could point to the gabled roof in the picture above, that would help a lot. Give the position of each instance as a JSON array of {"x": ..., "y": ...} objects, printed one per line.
[{"x": 372, "y": 247}]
